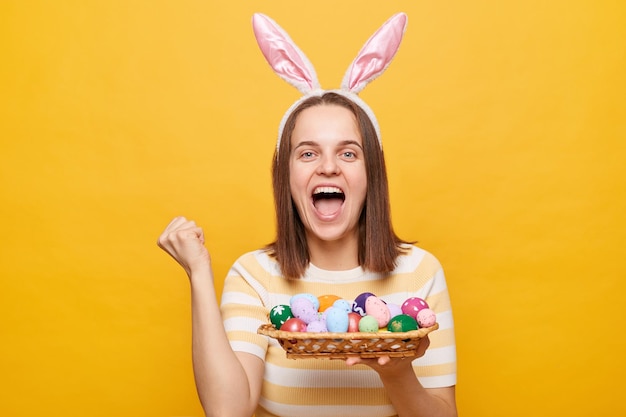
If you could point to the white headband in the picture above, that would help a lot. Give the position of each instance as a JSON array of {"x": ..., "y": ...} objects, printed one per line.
[{"x": 290, "y": 63}]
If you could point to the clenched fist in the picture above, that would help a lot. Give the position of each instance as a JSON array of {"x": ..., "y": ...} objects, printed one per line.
[{"x": 184, "y": 241}]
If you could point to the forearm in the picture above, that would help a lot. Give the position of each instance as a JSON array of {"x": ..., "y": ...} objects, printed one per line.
[
  {"x": 411, "y": 399},
  {"x": 221, "y": 380}
]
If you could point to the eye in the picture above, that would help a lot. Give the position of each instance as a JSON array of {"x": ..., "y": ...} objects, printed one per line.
[
  {"x": 307, "y": 155},
  {"x": 348, "y": 155}
]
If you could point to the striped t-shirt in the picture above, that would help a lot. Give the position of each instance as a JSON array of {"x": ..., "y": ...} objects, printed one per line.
[{"x": 328, "y": 388}]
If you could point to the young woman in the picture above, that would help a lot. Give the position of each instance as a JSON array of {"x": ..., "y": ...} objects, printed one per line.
[{"x": 334, "y": 237}]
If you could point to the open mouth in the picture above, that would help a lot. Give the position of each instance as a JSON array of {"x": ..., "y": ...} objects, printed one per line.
[{"x": 328, "y": 200}]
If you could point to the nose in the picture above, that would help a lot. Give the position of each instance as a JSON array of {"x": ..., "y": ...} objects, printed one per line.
[{"x": 328, "y": 165}]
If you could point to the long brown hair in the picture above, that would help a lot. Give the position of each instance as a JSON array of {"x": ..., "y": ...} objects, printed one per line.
[{"x": 379, "y": 246}]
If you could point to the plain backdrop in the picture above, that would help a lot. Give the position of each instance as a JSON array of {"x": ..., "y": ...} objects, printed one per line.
[{"x": 503, "y": 125}]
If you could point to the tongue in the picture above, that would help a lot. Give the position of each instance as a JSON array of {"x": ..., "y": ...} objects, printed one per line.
[{"x": 328, "y": 206}]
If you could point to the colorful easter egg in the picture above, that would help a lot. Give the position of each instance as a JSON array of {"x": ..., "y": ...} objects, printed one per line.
[
  {"x": 358, "y": 305},
  {"x": 353, "y": 322},
  {"x": 413, "y": 305},
  {"x": 394, "y": 309},
  {"x": 368, "y": 324},
  {"x": 402, "y": 323},
  {"x": 304, "y": 309},
  {"x": 294, "y": 324},
  {"x": 343, "y": 304},
  {"x": 336, "y": 320},
  {"x": 326, "y": 301},
  {"x": 377, "y": 308},
  {"x": 311, "y": 297},
  {"x": 280, "y": 314},
  {"x": 316, "y": 327},
  {"x": 426, "y": 317}
]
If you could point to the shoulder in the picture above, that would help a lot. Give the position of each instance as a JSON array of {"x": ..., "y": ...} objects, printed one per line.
[
  {"x": 256, "y": 262},
  {"x": 414, "y": 258}
]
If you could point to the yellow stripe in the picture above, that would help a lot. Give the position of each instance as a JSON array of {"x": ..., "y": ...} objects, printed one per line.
[
  {"x": 278, "y": 357},
  {"x": 436, "y": 370},
  {"x": 238, "y": 284},
  {"x": 441, "y": 338},
  {"x": 439, "y": 302},
  {"x": 325, "y": 396}
]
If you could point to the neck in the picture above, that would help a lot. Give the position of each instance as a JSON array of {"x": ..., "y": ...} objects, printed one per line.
[{"x": 336, "y": 255}]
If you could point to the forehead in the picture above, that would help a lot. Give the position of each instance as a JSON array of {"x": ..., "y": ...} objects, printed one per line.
[{"x": 326, "y": 122}]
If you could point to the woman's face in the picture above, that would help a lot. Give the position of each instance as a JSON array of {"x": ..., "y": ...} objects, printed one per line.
[{"x": 327, "y": 172}]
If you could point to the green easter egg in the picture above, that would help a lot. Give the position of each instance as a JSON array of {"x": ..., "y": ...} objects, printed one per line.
[
  {"x": 402, "y": 323},
  {"x": 280, "y": 314},
  {"x": 368, "y": 324}
]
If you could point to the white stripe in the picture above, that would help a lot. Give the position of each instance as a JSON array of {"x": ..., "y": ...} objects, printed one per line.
[
  {"x": 445, "y": 320},
  {"x": 410, "y": 262},
  {"x": 290, "y": 410},
  {"x": 437, "y": 356},
  {"x": 234, "y": 297},
  {"x": 438, "y": 284},
  {"x": 245, "y": 324},
  {"x": 438, "y": 381},
  {"x": 238, "y": 346},
  {"x": 267, "y": 263}
]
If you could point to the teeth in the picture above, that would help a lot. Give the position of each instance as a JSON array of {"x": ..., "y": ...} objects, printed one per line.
[{"x": 327, "y": 190}]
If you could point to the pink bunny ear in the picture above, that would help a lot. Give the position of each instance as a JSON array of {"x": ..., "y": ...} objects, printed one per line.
[
  {"x": 375, "y": 56},
  {"x": 285, "y": 58}
]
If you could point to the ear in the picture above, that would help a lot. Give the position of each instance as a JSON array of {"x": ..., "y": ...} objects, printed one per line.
[
  {"x": 376, "y": 55},
  {"x": 285, "y": 58}
]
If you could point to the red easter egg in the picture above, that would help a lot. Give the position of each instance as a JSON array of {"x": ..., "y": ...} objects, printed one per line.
[
  {"x": 293, "y": 325},
  {"x": 353, "y": 322}
]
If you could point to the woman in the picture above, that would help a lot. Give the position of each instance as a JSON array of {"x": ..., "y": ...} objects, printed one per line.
[{"x": 334, "y": 237}]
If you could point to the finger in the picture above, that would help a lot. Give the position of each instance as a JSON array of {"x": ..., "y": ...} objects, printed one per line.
[
  {"x": 383, "y": 360},
  {"x": 178, "y": 230},
  {"x": 172, "y": 225},
  {"x": 423, "y": 346},
  {"x": 353, "y": 360},
  {"x": 179, "y": 222}
]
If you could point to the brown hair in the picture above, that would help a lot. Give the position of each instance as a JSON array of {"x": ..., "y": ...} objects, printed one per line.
[{"x": 379, "y": 246}]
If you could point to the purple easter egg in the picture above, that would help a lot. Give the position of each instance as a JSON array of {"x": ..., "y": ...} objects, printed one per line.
[
  {"x": 304, "y": 309},
  {"x": 358, "y": 305},
  {"x": 316, "y": 327},
  {"x": 394, "y": 309},
  {"x": 310, "y": 297}
]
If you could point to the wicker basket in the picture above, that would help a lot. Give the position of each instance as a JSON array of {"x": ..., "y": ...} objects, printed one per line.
[{"x": 343, "y": 345}]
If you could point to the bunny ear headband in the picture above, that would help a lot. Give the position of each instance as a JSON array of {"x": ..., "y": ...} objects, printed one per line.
[{"x": 288, "y": 61}]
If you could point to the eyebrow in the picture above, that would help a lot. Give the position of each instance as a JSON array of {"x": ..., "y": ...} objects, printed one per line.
[{"x": 342, "y": 143}]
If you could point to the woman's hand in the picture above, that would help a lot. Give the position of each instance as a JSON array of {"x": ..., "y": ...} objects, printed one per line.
[
  {"x": 184, "y": 241},
  {"x": 388, "y": 365}
]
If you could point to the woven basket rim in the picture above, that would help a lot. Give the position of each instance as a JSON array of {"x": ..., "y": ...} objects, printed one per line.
[{"x": 270, "y": 330}]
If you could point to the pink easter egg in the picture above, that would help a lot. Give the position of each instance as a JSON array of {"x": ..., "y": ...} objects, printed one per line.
[
  {"x": 377, "y": 308},
  {"x": 413, "y": 305},
  {"x": 426, "y": 317}
]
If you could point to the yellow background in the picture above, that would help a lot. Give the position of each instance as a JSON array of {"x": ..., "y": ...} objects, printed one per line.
[{"x": 504, "y": 128}]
